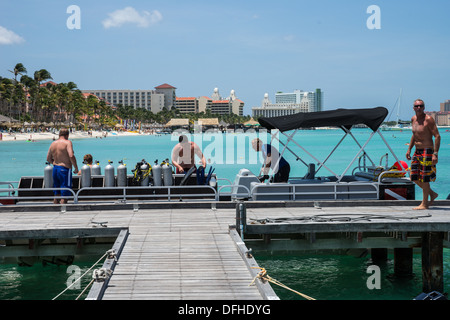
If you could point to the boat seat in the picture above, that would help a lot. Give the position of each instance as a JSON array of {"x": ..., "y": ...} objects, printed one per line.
[
  {"x": 311, "y": 172},
  {"x": 365, "y": 175}
]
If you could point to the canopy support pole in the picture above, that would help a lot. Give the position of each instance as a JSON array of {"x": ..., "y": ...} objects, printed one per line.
[
  {"x": 387, "y": 145},
  {"x": 361, "y": 149},
  {"x": 351, "y": 134},
  {"x": 332, "y": 151},
  {"x": 318, "y": 161}
]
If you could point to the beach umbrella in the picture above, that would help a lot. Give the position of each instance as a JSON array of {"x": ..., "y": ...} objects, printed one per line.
[{"x": 251, "y": 122}]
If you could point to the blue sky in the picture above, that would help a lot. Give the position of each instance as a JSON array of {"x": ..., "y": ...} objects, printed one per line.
[{"x": 250, "y": 46}]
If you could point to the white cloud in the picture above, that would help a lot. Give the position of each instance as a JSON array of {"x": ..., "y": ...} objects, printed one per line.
[
  {"x": 130, "y": 15},
  {"x": 9, "y": 37}
]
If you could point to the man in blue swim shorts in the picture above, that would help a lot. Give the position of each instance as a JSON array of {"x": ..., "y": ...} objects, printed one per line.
[{"x": 61, "y": 155}]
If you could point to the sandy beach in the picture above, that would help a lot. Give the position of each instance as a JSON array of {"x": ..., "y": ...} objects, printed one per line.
[{"x": 38, "y": 136}]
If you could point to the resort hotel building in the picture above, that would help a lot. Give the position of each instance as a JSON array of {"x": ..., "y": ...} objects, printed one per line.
[
  {"x": 441, "y": 117},
  {"x": 153, "y": 100},
  {"x": 289, "y": 103},
  {"x": 215, "y": 104},
  {"x": 164, "y": 96}
]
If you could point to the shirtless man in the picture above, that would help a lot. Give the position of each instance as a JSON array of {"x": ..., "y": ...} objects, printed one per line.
[
  {"x": 425, "y": 158},
  {"x": 61, "y": 155},
  {"x": 183, "y": 155}
]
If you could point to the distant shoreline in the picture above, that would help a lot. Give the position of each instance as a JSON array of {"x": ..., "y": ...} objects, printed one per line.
[{"x": 38, "y": 136}]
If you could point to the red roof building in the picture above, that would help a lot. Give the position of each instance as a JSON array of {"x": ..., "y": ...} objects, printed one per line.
[
  {"x": 165, "y": 86},
  {"x": 187, "y": 104}
]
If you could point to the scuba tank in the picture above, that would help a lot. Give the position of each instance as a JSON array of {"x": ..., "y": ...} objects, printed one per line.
[
  {"x": 109, "y": 175},
  {"x": 48, "y": 175},
  {"x": 85, "y": 175},
  {"x": 95, "y": 169},
  {"x": 167, "y": 173},
  {"x": 121, "y": 174},
  {"x": 145, "y": 171},
  {"x": 157, "y": 174}
]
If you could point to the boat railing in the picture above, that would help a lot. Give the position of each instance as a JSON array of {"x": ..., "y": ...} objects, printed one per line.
[
  {"x": 158, "y": 193},
  {"x": 12, "y": 191},
  {"x": 170, "y": 196},
  {"x": 10, "y": 185},
  {"x": 237, "y": 195},
  {"x": 400, "y": 176},
  {"x": 294, "y": 191},
  {"x": 260, "y": 191}
]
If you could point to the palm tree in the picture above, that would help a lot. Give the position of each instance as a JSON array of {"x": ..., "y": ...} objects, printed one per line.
[
  {"x": 18, "y": 69},
  {"x": 77, "y": 106},
  {"x": 40, "y": 100},
  {"x": 17, "y": 95},
  {"x": 30, "y": 88},
  {"x": 6, "y": 94},
  {"x": 42, "y": 75}
]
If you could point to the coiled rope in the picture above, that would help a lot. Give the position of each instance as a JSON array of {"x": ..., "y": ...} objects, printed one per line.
[
  {"x": 90, "y": 283},
  {"x": 265, "y": 277}
]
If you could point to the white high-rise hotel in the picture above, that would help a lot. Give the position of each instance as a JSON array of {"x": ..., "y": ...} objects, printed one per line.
[{"x": 289, "y": 103}]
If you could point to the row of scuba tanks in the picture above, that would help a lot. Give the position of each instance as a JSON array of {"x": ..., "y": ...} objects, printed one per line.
[{"x": 161, "y": 174}]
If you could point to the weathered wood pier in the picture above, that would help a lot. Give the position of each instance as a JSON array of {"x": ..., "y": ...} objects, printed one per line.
[
  {"x": 374, "y": 225},
  {"x": 174, "y": 251},
  {"x": 197, "y": 251}
]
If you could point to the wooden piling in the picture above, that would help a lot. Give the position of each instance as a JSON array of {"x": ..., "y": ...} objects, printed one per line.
[
  {"x": 432, "y": 262},
  {"x": 379, "y": 255},
  {"x": 403, "y": 262}
]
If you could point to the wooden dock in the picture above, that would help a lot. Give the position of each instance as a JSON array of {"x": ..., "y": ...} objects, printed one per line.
[
  {"x": 374, "y": 225},
  {"x": 181, "y": 252},
  {"x": 186, "y": 250}
]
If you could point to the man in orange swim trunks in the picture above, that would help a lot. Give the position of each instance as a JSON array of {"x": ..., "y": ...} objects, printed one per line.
[{"x": 425, "y": 158}]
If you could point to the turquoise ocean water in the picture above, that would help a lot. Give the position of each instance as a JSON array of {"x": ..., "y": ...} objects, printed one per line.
[{"x": 322, "y": 277}]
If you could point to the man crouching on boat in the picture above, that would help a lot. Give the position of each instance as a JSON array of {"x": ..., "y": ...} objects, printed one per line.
[
  {"x": 183, "y": 155},
  {"x": 425, "y": 158},
  {"x": 271, "y": 156},
  {"x": 61, "y": 155}
]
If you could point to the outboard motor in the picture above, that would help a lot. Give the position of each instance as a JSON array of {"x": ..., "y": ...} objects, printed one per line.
[
  {"x": 167, "y": 173},
  {"x": 157, "y": 174},
  {"x": 95, "y": 169},
  {"x": 48, "y": 175},
  {"x": 145, "y": 169},
  {"x": 121, "y": 174},
  {"x": 85, "y": 175},
  {"x": 109, "y": 175}
]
